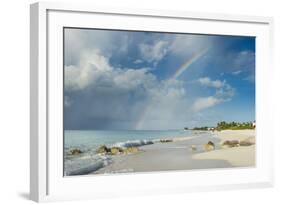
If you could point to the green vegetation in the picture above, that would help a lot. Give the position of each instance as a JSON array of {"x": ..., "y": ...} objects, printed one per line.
[
  {"x": 234, "y": 126},
  {"x": 201, "y": 128},
  {"x": 228, "y": 126}
]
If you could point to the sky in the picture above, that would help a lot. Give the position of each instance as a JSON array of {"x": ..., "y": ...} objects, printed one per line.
[{"x": 136, "y": 80}]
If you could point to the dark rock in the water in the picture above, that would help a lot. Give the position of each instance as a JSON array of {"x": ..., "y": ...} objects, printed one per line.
[
  {"x": 75, "y": 152},
  {"x": 103, "y": 149},
  {"x": 166, "y": 140},
  {"x": 130, "y": 150},
  {"x": 116, "y": 150}
]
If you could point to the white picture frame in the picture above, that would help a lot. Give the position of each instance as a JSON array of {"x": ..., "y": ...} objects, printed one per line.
[{"x": 46, "y": 178}]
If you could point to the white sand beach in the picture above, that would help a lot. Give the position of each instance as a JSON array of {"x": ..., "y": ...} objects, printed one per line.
[
  {"x": 243, "y": 156},
  {"x": 178, "y": 155}
]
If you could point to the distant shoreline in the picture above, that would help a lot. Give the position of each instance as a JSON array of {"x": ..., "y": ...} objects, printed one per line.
[{"x": 228, "y": 126}]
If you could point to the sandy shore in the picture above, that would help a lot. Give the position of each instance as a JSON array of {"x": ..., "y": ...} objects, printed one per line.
[
  {"x": 243, "y": 156},
  {"x": 235, "y": 134},
  {"x": 177, "y": 155}
]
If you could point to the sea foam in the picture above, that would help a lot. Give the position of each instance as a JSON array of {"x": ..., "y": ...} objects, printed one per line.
[
  {"x": 134, "y": 143},
  {"x": 85, "y": 164}
]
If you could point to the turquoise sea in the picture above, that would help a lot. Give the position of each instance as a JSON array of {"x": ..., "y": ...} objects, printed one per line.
[{"x": 91, "y": 139}]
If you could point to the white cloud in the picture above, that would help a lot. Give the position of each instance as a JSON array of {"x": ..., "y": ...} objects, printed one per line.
[
  {"x": 205, "y": 102},
  {"x": 107, "y": 92},
  {"x": 244, "y": 61},
  {"x": 138, "y": 61},
  {"x": 94, "y": 69},
  {"x": 153, "y": 53},
  {"x": 223, "y": 92},
  {"x": 236, "y": 72},
  {"x": 130, "y": 79},
  {"x": 78, "y": 41},
  {"x": 226, "y": 92},
  {"x": 209, "y": 83},
  {"x": 92, "y": 64}
]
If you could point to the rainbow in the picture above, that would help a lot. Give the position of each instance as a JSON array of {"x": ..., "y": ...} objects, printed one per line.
[
  {"x": 188, "y": 63},
  {"x": 140, "y": 121},
  {"x": 179, "y": 71}
]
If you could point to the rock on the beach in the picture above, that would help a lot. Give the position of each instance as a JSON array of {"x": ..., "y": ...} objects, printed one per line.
[
  {"x": 209, "y": 146},
  {"x": 231, "y": 143},
  {"x": 75, "y": 151},
  {"x": 193, "y": 148},
  {"x": 247, "y": 142}
]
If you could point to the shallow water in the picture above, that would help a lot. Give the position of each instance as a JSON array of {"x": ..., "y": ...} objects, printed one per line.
[{"x": 91, "y": 139}]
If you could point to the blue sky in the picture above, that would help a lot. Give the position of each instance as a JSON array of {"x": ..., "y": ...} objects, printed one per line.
[{"x": 149, "y": 80}]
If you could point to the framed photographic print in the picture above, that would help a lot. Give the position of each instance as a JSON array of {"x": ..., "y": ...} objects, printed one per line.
[{"x": 131, "y": 98}]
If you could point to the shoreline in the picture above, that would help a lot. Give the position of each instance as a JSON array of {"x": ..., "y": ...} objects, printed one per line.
[
  {"x": 177, "y": 155},
  {"x": 181, "y": 153}
]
